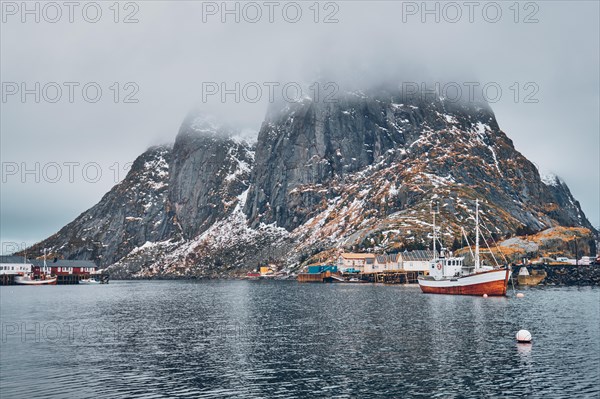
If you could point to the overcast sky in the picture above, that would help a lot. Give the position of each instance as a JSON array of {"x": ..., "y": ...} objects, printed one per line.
[{"x": 175, "y": 49}]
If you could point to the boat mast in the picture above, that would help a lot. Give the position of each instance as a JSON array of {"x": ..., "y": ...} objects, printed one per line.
[
  {"x": 45, "y": 265},
  {"x": 477, "y": 234},
  {"x": 434, "y": 234}
]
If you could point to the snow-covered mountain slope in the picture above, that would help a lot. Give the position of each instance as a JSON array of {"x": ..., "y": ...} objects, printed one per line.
[
  {"x": 133, "y": 212},
  {"x": 170, "y": 195},
  {"x": 358, "y": 174}
]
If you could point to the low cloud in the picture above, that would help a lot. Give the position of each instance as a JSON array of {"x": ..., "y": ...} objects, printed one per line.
[{"x": 167, "y": 59}]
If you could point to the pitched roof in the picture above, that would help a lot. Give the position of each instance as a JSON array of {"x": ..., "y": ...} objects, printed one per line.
[
  {"x": 393, "y": 258},
  {"x": 351, "y": 255},
  {"x": 63, "y": 263},
  {"x": 12, "y": 259},
  {"x": 50, "y": 262},
  {"x": 418, "y": 255}
]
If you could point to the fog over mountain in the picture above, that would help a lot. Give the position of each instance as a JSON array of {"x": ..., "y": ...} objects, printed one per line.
[{"x": 175, "y": 53}]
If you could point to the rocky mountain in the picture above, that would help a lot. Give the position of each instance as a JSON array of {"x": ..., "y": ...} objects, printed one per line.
[
  {"x": 369, "y": 165},
  {"x": 171, "y": 194},
  {"x": 210, "y": 168},
  {"x": 359, "y": 172},
  {"x": 135, "y": 211}
]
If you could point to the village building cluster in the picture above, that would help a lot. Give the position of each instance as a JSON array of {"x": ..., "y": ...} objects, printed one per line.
[{"x": 413, "y": 261}]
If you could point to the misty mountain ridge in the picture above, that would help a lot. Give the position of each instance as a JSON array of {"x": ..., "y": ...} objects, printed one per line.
[{"x": 355, "y": 173}]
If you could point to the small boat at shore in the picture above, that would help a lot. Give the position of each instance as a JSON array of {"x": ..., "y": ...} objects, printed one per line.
[
  {"x": 89, "y": 281},
  {"x": 355, "y": 280},
  {"x": 451, "y": 276}
]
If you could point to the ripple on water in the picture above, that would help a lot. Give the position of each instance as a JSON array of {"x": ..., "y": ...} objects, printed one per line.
[{"x": 283, "y": 339}]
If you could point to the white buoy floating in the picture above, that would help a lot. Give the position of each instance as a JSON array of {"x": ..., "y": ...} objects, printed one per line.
[
  {"x": 520, "y": 295},
  {"x": 485, "y": 295},
  {"x": 524, "y": 337}
]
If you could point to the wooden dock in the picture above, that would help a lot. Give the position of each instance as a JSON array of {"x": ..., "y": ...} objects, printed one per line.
[
  {"x": 103, "y": 278},
  {"x": 324, "y": 277},
  {"x": 387, "y": 277},
  {"x": 392, "y": 277},
  {"x": 7, "y": 279}
]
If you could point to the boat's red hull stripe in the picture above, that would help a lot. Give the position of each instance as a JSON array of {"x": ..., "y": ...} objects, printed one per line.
[{"x": 491, "y": 288}]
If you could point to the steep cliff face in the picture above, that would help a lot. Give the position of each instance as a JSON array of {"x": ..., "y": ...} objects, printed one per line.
[
  {"x": 210, "y": 168},
  {"x": 313, "y": 144},
  {"x": 393, "y": 152},
  {"x": 559, "y": 203}
]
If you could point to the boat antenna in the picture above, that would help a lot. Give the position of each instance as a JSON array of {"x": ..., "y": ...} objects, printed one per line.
[{"x": 477, "y": 264}]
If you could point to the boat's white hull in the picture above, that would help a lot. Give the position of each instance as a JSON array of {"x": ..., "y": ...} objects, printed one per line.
[
  {"x": 26, "y": 280},
  {"x": 89, "y": 282},
  {"x": 492, "y": 283}
]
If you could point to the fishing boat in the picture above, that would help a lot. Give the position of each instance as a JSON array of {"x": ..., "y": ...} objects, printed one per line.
[
  {"x": 30, "y": 279},
  {"x": 449, "y": 275}
]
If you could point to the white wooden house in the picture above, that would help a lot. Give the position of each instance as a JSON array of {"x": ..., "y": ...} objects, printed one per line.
[
  {"x": 357, "y": 262},
  {"x": 415, "y": 260},
  {"x": 407, "y": 261},
  {"x": 14, "y": 265}
]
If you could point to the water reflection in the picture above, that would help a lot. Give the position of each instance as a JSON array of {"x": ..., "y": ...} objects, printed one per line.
[
  {"x": 524, "y": 351},
  {"x": 282, "y": 339}
]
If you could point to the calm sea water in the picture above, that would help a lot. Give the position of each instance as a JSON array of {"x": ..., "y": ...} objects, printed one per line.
[{"x": 285, "y": 339}]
